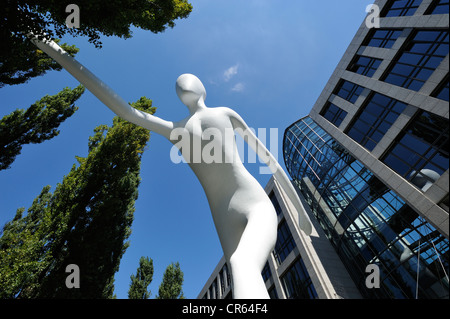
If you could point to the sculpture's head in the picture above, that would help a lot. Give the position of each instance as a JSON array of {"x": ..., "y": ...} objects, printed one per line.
[{"x": 190, "y": 90}]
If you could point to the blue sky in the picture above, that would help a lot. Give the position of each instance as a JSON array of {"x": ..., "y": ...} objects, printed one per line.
[{"x": 268, "y": 60}]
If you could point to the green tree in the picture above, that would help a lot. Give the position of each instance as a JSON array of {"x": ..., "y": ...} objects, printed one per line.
[
  {"x": 22, "y": 60},
  {"x": 23, "y": 250},
  {"x": 140, "y": 282},
  {"x": 86, "y": 221},
  {"x": 172, "y": 283},
  {"x": 36, "y": 124}
]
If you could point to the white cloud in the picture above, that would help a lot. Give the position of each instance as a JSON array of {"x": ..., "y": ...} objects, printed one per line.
[
  {"x": 230, "y": 72},
  {"x": 239, "y": 87}
]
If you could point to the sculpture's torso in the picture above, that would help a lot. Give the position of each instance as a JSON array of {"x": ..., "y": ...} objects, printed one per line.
[{"x": 231, "y": 190}]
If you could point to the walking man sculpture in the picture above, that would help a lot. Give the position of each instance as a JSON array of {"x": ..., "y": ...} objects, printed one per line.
[{"x": 243, "y": 215}]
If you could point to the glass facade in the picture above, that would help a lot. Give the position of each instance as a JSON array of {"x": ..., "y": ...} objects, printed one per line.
[
  {"x": 367, "y": 222},
  {"x": 221, "y": 283},
  {"x": 333, "y": 113},
  {"x": 421, "y": 152},
  {"x": 275, "y": 204},
  {"x": 297, "y": 283},
  {"x": 442, "y": 91},
  {"x": 273, "y": 293},
  {"x": 382, "y": 38},
  {"x": 364, "y": 65},
  {"x": 374, "y": 120},
  {"x": 348, "y": 91},
  {"x": 266, "y": 273},
  {"x": 401, "y": 8},
  {"x": 421, "y": 55},
  {"x": 285, "y": 242},
  {"x": 439, "y": 7}
]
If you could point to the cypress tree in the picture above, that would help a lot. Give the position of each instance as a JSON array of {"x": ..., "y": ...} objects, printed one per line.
[
  {"x": 140, "y": 282},
  {"x": 172, "y": 283},
  {"x": 86, "y": 221},
  {"x": 23, "y": 250},
  {"x": 36, "y": 124}
]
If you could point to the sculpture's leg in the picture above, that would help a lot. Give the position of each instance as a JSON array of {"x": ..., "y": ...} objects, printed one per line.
[{"x": 255, "y": 245}]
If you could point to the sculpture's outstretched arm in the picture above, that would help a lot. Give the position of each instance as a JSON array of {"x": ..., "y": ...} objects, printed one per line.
[
  {"x": 277, "y": 170},
  {"x": 103, "y": 92}
]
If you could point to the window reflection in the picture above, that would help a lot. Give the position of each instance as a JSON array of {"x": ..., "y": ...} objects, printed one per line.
[
  {"x": 374, "y": 119},
  {"x": 382, "y": 38},
  {"x": 348, "y": 91},
  {"x": 364, "y": 65},
  {"x": 285, "y": 242},
  {"x": 400, "y": 8},
  {"x": 421, "y": 56},
  {"x": 438, "y": 7},
  {"x": 297, "y": 283},
  {"x": 266, "y": 273},
  {"x": 366, "y": 221},
  {"x": 275, "y": 203},
  {"x": 421, "y": 152}
]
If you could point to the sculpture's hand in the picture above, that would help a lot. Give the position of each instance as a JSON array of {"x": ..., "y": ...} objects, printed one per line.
[
  {"x": 101, "y": 90},
  {"x": 279, "y": 174}
]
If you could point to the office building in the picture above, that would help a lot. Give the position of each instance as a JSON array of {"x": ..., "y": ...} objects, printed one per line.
[
  {"x": 371, "y": 162},
  {"x": 372, "y": 157},
  {"x": 300, "y": 266}
]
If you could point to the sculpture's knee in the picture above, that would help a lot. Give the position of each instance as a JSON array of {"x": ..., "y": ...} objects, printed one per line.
[
  {"x": 247, "y": 280},
  {"x": 243, "y": 264}
]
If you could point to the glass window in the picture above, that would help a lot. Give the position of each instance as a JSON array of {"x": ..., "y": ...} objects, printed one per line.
[
  {"x": 399, "y": 8},
  {"x": 227, "y": 280},
  {"x": 369, "y": 223},
  {"x": 421, "y": 153},
  {"x": 348, "y": 91},
  {"x": 442, "y": 92},
  {"x": 333, "y": 113},
  {"x": 285, "y": 242},
  {"x": 374, "y": 119},
  {"x": 364, "y": 65},
  {"x": 382, "y": 38},
  {"x": 273, "y": 293},
  {"x": 275, "y": 203},
  {"x": 222, "y": 281},
  {"x": 438, "y": 7},
  {"x": 421, "y": 56},
  {"x": 297, "y": 283},
  {"x": 266, "y": 273},
  {"x": 213, "y": 290}
]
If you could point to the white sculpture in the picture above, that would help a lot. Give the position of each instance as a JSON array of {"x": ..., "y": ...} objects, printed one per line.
[{"x": 243, "y": 215}]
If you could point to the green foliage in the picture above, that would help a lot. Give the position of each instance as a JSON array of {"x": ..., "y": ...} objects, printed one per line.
[
  {"x": 22, "y": 61},
  {"x": 86, "y": 221},
  {"x": 172, "y": 284},
  {"x": 36, "y": 124},
  {"x": 23, "y": 250},
  {"x": 140, "y": 282}
]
